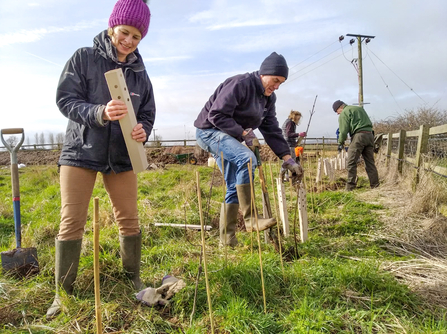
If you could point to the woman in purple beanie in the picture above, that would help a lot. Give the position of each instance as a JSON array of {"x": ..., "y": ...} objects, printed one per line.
[{"x": 94, "y": 142}]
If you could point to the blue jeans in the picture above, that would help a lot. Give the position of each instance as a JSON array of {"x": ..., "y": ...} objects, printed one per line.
[{"x": 236, "y": 158}]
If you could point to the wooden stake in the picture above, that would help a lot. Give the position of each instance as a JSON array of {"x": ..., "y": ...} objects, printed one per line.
[
  {"x": 277, "y": 220},
  {"x": 96, "y": 264},
  {"x": 208, "y": 293},
  {"x": 257, "y": 232}
]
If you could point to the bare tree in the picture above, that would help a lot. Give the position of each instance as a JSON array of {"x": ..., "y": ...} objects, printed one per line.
[
  {"x": 36, "y": 139},
  {"x": 42, "y": 139},
  {"x": 51, "y": 139},
  {"x": 60, "y": 139},
  {"x": 411, "y": 120},
  {"x": 157, "y": 141},
  {"x": 12, "y": 141}
]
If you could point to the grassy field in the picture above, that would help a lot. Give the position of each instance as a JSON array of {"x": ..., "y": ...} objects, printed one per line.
[{"x": 333, "y": 283}]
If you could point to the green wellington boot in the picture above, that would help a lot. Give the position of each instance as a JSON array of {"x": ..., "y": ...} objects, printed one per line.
[
  {"x": 227, "y": 224},
  {"x": 244, "y": 196},
  {"x": 130, "y": 249},
  {"x": 66, "y": 270}
]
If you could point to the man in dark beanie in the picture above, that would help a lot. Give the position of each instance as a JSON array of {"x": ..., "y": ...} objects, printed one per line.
[
  {"x": 238, "y": 106},
  {"x": 355, "y": 121}
]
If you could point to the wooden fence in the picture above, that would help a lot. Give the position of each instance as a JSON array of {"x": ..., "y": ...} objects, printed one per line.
[
  {"x": 421, "y": 148},
  {"x": 312, "y": 144}
]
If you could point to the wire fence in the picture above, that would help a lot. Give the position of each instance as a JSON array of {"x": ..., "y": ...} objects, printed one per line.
[{"x": 424, "y": 148}]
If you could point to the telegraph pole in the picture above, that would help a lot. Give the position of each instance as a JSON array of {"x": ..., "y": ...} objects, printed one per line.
[{"x": 367, "y": 39}]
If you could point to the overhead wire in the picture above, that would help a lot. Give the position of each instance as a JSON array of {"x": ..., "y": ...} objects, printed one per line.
[
  {"x": 398, "y": 77},
  {"x": 313, "y": 55},
  {"x": 386, "y": 85},
  {"x": 297, "y": 73},
  {"x": 303, "y": 74}
]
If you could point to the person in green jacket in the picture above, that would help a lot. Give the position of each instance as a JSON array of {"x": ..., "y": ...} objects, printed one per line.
[{"x": 355, "y": 121}]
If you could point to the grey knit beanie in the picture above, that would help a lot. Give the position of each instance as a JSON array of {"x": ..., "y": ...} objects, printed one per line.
[
  {"x": 274, "y": 64},
  {"x": 337, "y": 104}
]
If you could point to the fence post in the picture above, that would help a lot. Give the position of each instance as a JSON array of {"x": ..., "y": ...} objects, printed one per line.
[
  {"x": 323, "y": 148},
  {"x": 422, "y": 148},
  {"x": 401, "y": 150},
  {"x": 389, "y": 146}
]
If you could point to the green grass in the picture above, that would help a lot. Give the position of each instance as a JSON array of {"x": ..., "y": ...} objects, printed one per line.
[{"x": 331, "y": 284}]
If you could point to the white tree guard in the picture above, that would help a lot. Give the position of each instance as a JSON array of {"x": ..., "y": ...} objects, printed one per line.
[
  {"x": 282, "y": 206},
  {"x": 302, "y": 210}
]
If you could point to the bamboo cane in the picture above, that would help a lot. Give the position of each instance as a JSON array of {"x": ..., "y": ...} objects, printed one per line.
[
  {"x": 252, "y": 205},
  {"x": 225, "y": 206},
  {"x": 208, "y": 295},
  {"x": 96, "y": 264},
  {"x": 277, "y": 220},
  {"x": 257, "y": 232}
]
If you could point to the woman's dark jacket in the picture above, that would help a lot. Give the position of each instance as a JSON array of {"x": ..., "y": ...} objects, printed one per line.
[{"x": 82, "y": 95}]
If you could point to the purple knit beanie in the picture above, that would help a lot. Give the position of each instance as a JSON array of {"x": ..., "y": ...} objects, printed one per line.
[
  {"x": 133, "y": 13},
  {"x": 274, "y": 64}
]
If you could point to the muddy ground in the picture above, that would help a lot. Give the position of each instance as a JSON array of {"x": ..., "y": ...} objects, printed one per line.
[{"x": 169, "y": 155}]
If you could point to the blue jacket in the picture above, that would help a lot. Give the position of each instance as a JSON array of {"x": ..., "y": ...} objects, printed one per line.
[
  {"x": 82, "y": 95},
  {"x": 239, "y": 103}
]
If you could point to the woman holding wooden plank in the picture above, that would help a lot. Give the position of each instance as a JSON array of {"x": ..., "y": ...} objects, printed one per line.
[{"x": 94, "y": 141}]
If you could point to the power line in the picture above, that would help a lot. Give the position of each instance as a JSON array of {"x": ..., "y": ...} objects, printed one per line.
[
  {"x": 398, "y": 77},
  {"x": 386, "y": 85},
  {"x": 313, "y": 55},
  {"x": 288, "y": 81}
]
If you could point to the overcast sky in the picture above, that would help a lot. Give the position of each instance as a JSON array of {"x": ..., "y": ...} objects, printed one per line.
[{"x": 192, "y": 46}]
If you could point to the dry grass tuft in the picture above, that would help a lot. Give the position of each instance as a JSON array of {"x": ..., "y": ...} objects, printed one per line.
[
  {"x": 426, "y": 276},
  {"x": 414, "y": 227}
]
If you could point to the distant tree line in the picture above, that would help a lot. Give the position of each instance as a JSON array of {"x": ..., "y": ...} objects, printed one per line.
[
  {"x": 40, "y": 140},
  {"x": 411, "y": 120}
]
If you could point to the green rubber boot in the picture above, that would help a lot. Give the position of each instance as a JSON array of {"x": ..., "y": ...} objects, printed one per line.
[
  {"x": 130, "y": 249},
  {"x": 68, "y": 253},
  {"x": 227, "y": 224},
  {"x": 244, "y": 197}
]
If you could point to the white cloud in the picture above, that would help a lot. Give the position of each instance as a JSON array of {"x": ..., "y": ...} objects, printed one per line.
[
  {"x": 165, "y": 59},
  {"x": 29, "y": 36},
  {"x": 241, "y": 24}
]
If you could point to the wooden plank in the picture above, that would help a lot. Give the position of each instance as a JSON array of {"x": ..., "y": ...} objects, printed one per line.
[
  {"x": 282, "y": 204},
  {"x": 414, "y": 133},
  {"x": 118, "y": 91},
  {"x": 437, "y": 130}
]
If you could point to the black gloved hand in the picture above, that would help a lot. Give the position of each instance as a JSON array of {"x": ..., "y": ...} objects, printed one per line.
[
  {"x": 340, "y": 147},
  {"x": 294, "y": 168}
]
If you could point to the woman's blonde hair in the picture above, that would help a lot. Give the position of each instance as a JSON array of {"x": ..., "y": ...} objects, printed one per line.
[{"x": 293, "y": 114}]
